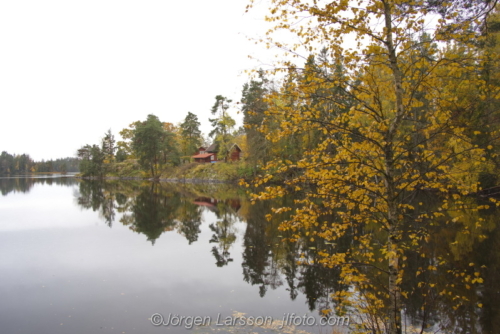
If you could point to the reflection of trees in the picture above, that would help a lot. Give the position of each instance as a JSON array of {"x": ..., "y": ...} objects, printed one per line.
[
  {"x": 270, "y": 262},
  {"x": 257, "y": 247},
  {"x": 189, "y": 219},
  {"x": 487, "y": 254},
  {"x": 317, "y": 281},
  {"x": 290, "y": 270},
  {"x": 470, "y": 247},
  {"x": 224, "y": 235},
  {"x": 311, "y": 277},
  {"x": 154, "y": 212},
  {"x": 435, "y": 268},
  {"x": 25, "y": 184},
  {"x": 443, "y": 271},
  {"x": 150, "y": 210},
  {"x": 9, "y": 185},
  {"x": 467, "y": 248},
  {"x": 98, "y": 196}
]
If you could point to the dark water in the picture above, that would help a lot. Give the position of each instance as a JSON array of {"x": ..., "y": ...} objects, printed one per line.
[{"x": 114, "y": 257}]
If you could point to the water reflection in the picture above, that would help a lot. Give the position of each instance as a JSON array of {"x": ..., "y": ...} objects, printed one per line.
[
  {"x": 269, "y": 262},
  {"x": 150, "y": 209},
  {"x": 25, "y": 184},
  {"x": 224, "y": 234},
  {"x": 469, "y": 247}
]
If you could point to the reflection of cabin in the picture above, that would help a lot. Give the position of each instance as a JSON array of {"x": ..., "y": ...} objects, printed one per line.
[
  {"x": 211, "y": 203},
  {"x": 206, "y": 201},
  {"x": 235, "y": 204},
  {"x": 210, "y": 154}
]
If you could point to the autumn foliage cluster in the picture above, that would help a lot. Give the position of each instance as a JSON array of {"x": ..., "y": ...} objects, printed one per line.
[{"x": 384, "y": 116}]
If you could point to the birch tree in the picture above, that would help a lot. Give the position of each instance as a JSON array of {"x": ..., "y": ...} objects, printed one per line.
[{"x": 398, "y": 137}]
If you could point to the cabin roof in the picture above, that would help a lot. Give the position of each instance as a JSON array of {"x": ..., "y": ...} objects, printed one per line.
[
  {"x": 213, "y": 148},
  {"x": 201, "y": 156},
  {"x": 235, "y": 146}
]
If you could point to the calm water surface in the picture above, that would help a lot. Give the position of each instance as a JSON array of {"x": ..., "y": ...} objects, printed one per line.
[
  {"x": 113, "y": 257},
  {"x": 83, "y": 257}
]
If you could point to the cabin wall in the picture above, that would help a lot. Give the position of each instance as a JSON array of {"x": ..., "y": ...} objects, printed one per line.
[{"x": 235, "y": 155}]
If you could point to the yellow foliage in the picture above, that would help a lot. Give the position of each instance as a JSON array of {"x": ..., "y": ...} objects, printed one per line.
[{"x": 384, "y": 117}]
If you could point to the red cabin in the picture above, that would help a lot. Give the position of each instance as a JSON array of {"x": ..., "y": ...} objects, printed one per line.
[
  {"x": 234, "y": 153},
  {"x": 210, "y": 154},
  {"x": 205, "y": 155}
]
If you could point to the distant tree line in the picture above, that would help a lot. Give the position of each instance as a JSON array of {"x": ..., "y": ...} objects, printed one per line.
[
  {"x": 15, "y": 164},
  {"x": 12, "y": 164},
  {"x": 62, "y": 165}
]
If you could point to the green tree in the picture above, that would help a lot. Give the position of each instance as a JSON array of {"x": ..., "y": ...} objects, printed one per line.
[
  {"x": 6, "y": 163},
  {"x": 125, "y": 145},
  {"x": 253, "y": 108},
  {"x": 191, "y": 134},
  {"x": 108, "y": 146},
  {"x": 91, "y": 161},
  {"x": 222, "y": 125},
  {"x": 154, "y": 146},
  {"x": 121, "y": 155}
]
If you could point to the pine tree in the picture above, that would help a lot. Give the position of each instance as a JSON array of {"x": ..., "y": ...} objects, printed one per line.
[
  {"x": 191, "y": 134},
  {"x": 222, "y": 125}
]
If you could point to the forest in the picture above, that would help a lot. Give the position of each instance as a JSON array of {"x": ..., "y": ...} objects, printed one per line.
[
  {"x": 389, "y": 131},
  {"x": 21, "y": 164}
]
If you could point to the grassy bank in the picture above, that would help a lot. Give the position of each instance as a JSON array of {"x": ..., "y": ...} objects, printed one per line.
[
  {"x": 220, "y": 171},
  {"x": 207, "y": 172}
]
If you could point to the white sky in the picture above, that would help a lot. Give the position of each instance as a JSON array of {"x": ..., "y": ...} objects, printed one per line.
[{"x": 72, "y": 69}]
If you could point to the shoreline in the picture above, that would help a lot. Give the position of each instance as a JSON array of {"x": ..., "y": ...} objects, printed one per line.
[{"x": 173, "y": 180}]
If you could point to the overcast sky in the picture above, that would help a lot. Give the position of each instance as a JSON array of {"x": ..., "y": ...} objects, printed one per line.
[{"x": 70, "y": 70}]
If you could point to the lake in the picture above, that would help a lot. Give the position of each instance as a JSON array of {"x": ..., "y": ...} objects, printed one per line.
[
  {"x": 141, "y": 257},
  {"x": 92, "y": 257}
]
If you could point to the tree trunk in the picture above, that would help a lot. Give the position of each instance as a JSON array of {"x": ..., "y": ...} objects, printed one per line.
[{"x": 392, "y": 200}]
